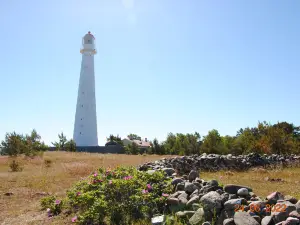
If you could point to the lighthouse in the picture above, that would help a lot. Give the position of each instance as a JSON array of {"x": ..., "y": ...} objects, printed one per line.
[{"x": 85, "y": 126}]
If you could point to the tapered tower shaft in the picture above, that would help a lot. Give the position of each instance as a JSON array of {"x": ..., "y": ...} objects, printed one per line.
[{"x": 85, "y": 126}]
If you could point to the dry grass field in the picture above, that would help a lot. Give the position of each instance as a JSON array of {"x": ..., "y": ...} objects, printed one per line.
[{"x": 64, "y": 169}]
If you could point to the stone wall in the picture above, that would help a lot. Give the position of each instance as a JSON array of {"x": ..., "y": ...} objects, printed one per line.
[{"x": 214, "y": 162}]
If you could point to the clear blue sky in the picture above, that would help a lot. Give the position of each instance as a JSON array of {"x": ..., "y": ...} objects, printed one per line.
[{"x": 162, "y": 66}]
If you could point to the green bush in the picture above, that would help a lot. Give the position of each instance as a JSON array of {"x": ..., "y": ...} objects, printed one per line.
[
  {"x": 121, "y": 196},
  {"x": 15, "y": 166},
  {"x": 52, "y": 205}
]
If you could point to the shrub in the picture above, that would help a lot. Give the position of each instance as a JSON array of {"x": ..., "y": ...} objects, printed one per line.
[
  {"x": 15, "y": 166},
  {"x": 47, "y": 162},
  {"x": 120, "y": 196},
  {"x": 53, "y": 205}
]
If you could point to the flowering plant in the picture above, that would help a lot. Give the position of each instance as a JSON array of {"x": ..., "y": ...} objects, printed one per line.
[{"x": 121, "y": 196}]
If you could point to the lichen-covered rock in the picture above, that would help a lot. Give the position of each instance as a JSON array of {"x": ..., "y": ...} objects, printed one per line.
[
  {"x": 244, "y": 218},
  {"x": 197, "y": 217}
]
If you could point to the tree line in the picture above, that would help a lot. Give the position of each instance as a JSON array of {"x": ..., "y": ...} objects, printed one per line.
[
  {"x": 265, "y": 138},
  {"x": 15, "y": 144}
]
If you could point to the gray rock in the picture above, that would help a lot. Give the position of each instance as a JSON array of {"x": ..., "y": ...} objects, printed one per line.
[
  {"x": 298, "y": 206},
  {"x": 168, "y": 171},
  {"x": 198, "y": 180},
  {"x": 274, "y": 197},
  {"x": 291, "y": 221},
  {"x": 281, "y": 211},
  {"x": 176, "y": 194},
  {"x": 189, "y": 187},
  {"x": 232, "y": 204},
  {"x": 213, "y": 183},
  {"x": 196, "y": 206},
  {"x": 185, "y": 214},
  {"x": 192, "y": 201},
  {"x": 211, "y": 201},
  {"x": 290, "y": 199},
  {"x": 244, "y": 218},
  {"x": 294, "y": 214},
  {"x": 176, "y": 181},
  {"x": 233, "y": 188},
  {"x": 180, "y": 187},
  {"x": 243, "y": 192},
  {"x": 182, "y": 201},
  {"x": 183, "y": 195},
  {"x": 267, "y": 220},
  {"x": 193, "y": 175},
  {"x": 197, "y": 217},
  {"x": 228, "y": 221},
  {"x": 195, "y": 193},
  {"x": 158, "y": 220},
  {"x": 257, "y": 218},
  {"x": 206, "y": 223}
]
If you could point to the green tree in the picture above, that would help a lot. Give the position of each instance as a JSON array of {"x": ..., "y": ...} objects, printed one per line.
[
  {"x": 134, "y": 137},
  {"x": 70, "y": 146},
  {"x": 116, "y": 139},
  {"x": 13, "y": 144},
  {"x": 132, "y": 149},
  {"x": 61, "y": 142},
  {"x": 212, "y": 142}
]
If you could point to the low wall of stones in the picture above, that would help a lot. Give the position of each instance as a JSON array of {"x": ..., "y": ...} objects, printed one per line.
[
  {"x": 215, "y": 162},
  {"x": 200, "y": 202}
]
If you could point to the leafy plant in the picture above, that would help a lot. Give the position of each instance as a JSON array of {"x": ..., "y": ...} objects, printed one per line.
[
  {"x": 52, "y": 205},
  {"x": 120, "y": 196},
  {"x": 15, "y": 166}
]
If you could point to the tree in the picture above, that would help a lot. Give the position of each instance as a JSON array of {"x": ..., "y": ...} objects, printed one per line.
[
  {"x": 132, "y": 148},
  {"x": 134, "y": 137},
  {"x": 116, "y": 139},
  {"x": 61, "y": 143},
  {"x": 212, "y": 142},
  {"x": 70, "y": 146},
  {"x": 13, "y": 144}
]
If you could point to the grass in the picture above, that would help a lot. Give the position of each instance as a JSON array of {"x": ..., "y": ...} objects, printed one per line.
[
  {"x": 260, "y": 180},
  {"x": 55, "y": 172},
  {"x": 52, "y": 173}
]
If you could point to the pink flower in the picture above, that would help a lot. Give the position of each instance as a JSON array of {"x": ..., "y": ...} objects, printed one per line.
[
  {"x": 165, "y": 195},
  {"x": 74, "y": 219},
  {"x": 110, "y": 182},
  {"x": 95, "y": 174},
  {"x": 149, "y": 187},
  {"x": 78, "y": 193},
  {"x": 57, "y": 202},
  {"x": 48, "y": 210},
  {"x": 144, "y": 191},
  {"x": 127, "y": 178},
  {"x": 161, "y": 198}
]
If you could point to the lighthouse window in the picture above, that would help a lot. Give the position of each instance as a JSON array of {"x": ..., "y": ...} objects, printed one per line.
[
  {"x": 79, "y": 132},
  {"x": 81, "y": 105},
  {"x": 81, "y": 119}
]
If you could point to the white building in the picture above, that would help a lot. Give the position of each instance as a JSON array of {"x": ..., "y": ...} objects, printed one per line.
[{"x": 85, "y": 126}]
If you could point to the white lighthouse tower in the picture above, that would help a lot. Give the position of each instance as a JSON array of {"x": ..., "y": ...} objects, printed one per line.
[{"x": 85, "y": 126}]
